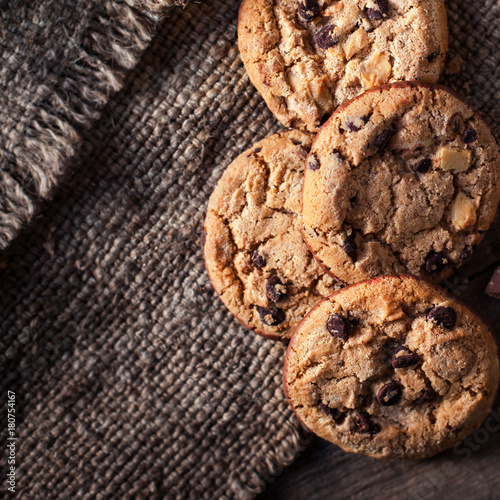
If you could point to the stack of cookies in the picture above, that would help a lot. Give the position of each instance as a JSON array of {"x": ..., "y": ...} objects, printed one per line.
[{"x": 382, "y": 183}]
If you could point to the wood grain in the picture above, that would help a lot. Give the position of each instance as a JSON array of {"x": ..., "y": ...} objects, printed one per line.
[{"x": 471, "y": 470}]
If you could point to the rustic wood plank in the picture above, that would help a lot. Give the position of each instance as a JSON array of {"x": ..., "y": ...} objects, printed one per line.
[{"x": 469, "y": 471}]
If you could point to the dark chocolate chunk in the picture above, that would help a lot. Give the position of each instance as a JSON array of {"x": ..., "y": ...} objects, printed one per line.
[
  {"x": 435, "y": 262},
  {"x": 374, "y": 14},
  {"x": 326, "y": 38},
  {"x": 402, "y": 357},
  {"x": 466, "y": 253},
  {"x": 389, "y": 394},
  {"x": 275, "y": 289},
  {"x": 296, "y": 142},
  {"x": 444, "y": 316},
  {"x": 338, "y": 154},
  {"x": 254, "y": 152},
  {"x": 425, "y": 396},
  {"x": 470, "y": 135},
  {"x": 383, "y": 6},
  {"x": 338, "y": 326},
  {"x": 363, "y": 424},
  {"x": 383, "y": 139},
  {"x": 258, "y": 260},
  {"x": 313, "y": 162},
  {"x": 380, "y": 12},
  {"x": 493, "y": 287},
  {"x": 331, "y": 412},
  {"x": 433, "y": 55},
  {"x": 271, "y": 316},
  {"x": 350, "y": 247},
  {"x": 308, "y": 9},
  {"x": 423, "y": 166},
  {"x": 352, "y": 127},
  {"x": 455, "y": 123}
]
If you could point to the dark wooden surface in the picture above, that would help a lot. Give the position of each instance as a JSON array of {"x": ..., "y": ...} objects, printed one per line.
[{"x": 469, "y": 471}]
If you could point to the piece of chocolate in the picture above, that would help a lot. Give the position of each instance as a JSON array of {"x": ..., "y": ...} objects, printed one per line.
[
  {"x": 271, "y": 316},
  {"x": 350, "y": 247},
  {"x": 425, "y": 396},
  {"x": 313, "y": 162},
  {"x": 383, "y": 138},
  {"x": 258, "y": 260},
  {"x": 389, "y": 394},
  {"x": 435, "y": 262},
  {"x": 423, "y": 166},
  {"x": 276, "y": 290},
  {"x": 470, "y": 135},
  {"x": 493, "y": 287},
  {"x": 308, "y": 10},
  {"x": 326, "y": 38},
  {"x": 402, "y": 357},
  {"x": 466, "y": 253},
  {"x": 444, "y": 316},
  {"x": 331, "y": 412},
  {"x": 338, "y": 326},
  {"x": 363, "y": 424}
]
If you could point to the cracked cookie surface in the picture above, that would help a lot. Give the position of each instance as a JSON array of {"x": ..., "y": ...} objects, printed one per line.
[
  {"x": 254, "y": 252},
  {"x": 414, "y": 373},
  {"x": 404, "y": 178},
  {"x": 306, "y": 57}
]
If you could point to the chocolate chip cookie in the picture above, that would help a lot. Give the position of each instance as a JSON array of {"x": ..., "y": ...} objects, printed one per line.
[
  {"x": 306, "y": 57},
  {"x": 254, "y": 251},
  {"x": 392, "y": 367},
  {"x": 404, "y": 178}
]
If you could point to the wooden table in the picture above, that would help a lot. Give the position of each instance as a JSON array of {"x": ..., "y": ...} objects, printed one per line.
[{"x": 470, "y": 471}]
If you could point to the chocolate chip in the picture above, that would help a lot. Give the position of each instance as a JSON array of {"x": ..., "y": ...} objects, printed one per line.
[
  {"x": 444, "y": 316},
  {"x": 313, "y": 163},
  {"x": 308, "y": 9},
  {"x": 363, "y": 424},
  {"x": 389, "y": 394},
  {"x": 338, "y": 154},
  {"x": 331, "y": 412},
  {"x": 383, "y": 6},
  {"x": 423, "y": 166},
  {"x": 470, "y": 135},
  {"x": 275, "y": 289},
  {"x": 433, "y": 55},
  {"x": 425, "y": 396},
  {"x": 326, "y": 38},
  {"x": 435, "y": 262},
  {"x": 357, "y": 123},
  {"x": 383, "y": 139},
  {"x": 466, "y": 253},
  {"x": 374, "y": 14},
  {"x": 254, "y": 152},
  {"x": 455, "y": 123},
  {"x": 296, "y": 142},
  {"x": 258, "y": 260},
  {"x": 380, "y": 12},
  {"x": 271, "y": 316},
  {"x": 350, "y": 247},
  {"x": 402, "y": 357},
  {"x": 338, "y": 326}
]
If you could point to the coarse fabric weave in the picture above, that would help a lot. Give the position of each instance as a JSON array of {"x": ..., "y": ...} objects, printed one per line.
[{"x": 131, "y": 378}]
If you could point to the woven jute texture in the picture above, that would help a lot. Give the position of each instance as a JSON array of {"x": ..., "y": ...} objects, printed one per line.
[{"x": 131, "y": 378}]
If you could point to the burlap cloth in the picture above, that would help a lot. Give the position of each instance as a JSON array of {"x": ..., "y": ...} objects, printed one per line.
[{"x": 131, "y": 378}]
